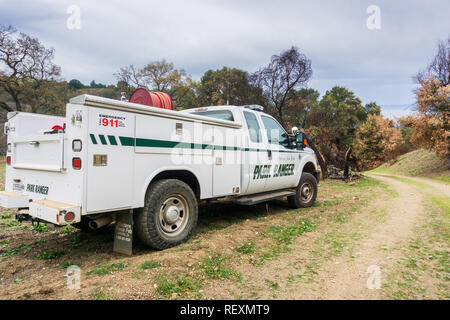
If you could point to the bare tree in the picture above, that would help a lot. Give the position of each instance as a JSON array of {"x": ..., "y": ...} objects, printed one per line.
[
  {"x": 27, "y": 70},
  {"x": 286, "y": 72},
  {"x": 130, "y": 75},
  {"x": 158, "y": 75},
  {"x": 439, "y": 68}
]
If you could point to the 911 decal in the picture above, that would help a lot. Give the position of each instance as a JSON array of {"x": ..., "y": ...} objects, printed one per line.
[
  {"x": 111, "y": 121},
  {"x": 279, "y": 170}
]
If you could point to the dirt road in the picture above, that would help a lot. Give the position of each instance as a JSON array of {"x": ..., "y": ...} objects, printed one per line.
[{"x": 355, "y": 278}]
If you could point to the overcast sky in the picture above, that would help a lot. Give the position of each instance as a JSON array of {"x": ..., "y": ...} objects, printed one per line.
[{"x": 378, "y": 64}]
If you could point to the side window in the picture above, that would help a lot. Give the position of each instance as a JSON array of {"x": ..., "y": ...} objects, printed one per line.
[
  {"x": 253, "y": 127},
  {"x": 217, "y": 114},
  {"x": 275, "y": 132}
]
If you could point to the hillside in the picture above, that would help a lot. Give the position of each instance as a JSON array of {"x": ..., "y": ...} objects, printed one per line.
[{"x": 417, "y": 163}]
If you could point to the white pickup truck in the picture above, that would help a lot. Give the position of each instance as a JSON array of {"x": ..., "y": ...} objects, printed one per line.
[{"x": 108, "y": 156}]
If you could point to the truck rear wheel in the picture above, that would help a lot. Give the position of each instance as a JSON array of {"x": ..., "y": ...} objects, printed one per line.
[
  {"x": 306, "y": 192},
  {"x": 169, "y": 214}
]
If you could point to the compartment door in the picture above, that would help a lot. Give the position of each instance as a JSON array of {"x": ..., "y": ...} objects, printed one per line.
[
  {"x": 226, "y": 163},
  {"x": 110, "y": 180}
]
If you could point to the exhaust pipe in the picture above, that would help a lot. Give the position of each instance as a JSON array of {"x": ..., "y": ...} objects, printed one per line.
[{"x": 100, "y": 222}]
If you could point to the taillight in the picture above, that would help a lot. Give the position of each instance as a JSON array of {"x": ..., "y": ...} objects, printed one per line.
[
  {"x": 8, "y": 160},
  {"x": 76, "y": 163},
  {"x": 69, "y": 216}
]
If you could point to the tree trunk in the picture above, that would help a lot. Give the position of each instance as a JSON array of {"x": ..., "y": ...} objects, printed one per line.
[
  {"x": 347, "y": 165},
  {"x": 320, "y": 159}
]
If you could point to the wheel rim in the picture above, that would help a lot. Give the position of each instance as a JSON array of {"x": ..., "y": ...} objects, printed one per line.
[
  {"x": 173, "y": 215},
  {"x": 306, "y": 192}
]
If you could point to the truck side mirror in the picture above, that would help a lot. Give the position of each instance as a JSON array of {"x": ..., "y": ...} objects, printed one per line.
[{"x": 302, "y": 140}]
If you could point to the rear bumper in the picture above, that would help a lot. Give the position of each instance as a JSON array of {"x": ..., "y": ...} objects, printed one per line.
[
  {"x": 55, "y": 212},
  {"x": 45, "y": 210}
]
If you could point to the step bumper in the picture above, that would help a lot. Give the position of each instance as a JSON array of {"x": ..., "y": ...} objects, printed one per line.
[
  {"x": 12, "y": 200},
  {"x": 58, "y": 213}
]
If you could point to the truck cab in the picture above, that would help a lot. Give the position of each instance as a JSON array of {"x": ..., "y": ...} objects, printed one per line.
[{"x": 271, "y": 159}]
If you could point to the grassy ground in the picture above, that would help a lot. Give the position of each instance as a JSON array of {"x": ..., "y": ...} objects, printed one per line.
[
  {"x": 421, "y": 163},
  {"x": 230, "y": 243}
]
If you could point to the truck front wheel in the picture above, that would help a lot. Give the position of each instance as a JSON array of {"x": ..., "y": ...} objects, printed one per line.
[
  {"x": 306, "y": 192},
  {"x": 169, "y": 215}
]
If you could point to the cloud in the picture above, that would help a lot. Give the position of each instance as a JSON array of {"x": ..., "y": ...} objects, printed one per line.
[{"x": 199, "y": 35}]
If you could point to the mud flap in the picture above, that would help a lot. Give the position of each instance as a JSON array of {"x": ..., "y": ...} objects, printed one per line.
[{"x": 123, "y": 234}]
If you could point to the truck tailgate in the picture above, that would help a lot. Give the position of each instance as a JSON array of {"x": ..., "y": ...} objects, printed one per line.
[{"x": 40, "y": 152}]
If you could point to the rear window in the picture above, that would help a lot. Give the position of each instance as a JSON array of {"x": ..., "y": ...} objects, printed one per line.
[{"x": 217, "y": 114}]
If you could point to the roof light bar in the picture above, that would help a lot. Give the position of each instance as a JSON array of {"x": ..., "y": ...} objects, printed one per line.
[{"x": 254, "y": 107}]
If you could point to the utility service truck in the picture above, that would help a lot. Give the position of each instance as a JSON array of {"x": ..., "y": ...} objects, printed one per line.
[{"x": 109, "y": 159}]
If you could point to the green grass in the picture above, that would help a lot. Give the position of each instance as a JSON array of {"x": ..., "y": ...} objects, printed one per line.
[
  {"x": 246, "y": 248},
  {"x": 10, "y": 252},
  {"x": 50, "y": 255},
  {"x": 68, "y": 264},
  {"x": 443, "y": 179},
  {"x": 181, "y": 286},
  {"x": 6, "y": 216},
  {"x": 272, "y": 284},
  {"x": 286, "y": 234},
  {"x": 13, "y": 223},
  {"x": 102, "y": 295},
  {"x": 150, "y": 264},
  {"x": 40, "y": 227},
  {"x": 25, "y": 246},
  {"x": 104, "y": 270},
  {"x": 215, "y": 266}
]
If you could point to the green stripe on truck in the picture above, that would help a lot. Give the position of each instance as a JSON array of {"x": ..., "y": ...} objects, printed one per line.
[
  {"x": 153, "y": 143},
  {"x": 112, "y": 140},
  {"x": 127, "y": 141},
  {"x": 102, "y": 138},
  {"x": 94, "y": 141}
]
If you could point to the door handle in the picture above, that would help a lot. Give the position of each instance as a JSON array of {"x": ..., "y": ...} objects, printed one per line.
[{"x": 269, "y": 154}]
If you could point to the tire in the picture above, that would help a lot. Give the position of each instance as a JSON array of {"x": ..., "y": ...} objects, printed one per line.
[
  {"x": 169, "y": 215},
  {"x": 306, "y": 192}
]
